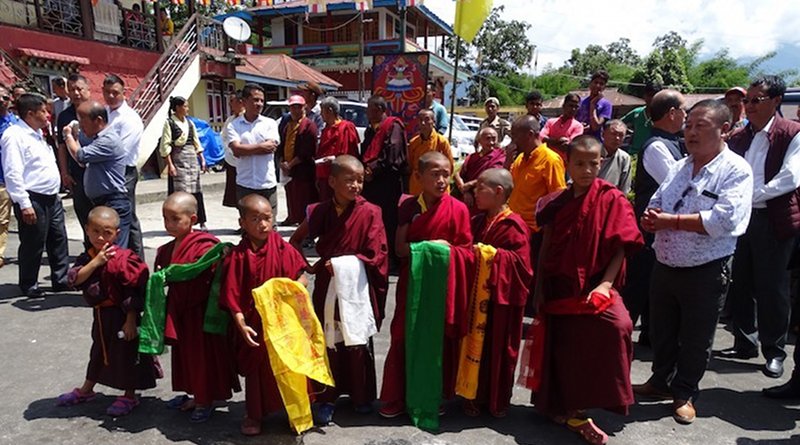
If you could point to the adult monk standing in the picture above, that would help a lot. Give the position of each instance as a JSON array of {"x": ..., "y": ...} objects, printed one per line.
[
  {"x": 383, "y": 153},
  {"x": 588, "y": 229},
  {"x": 296, "y": 151},
  {"x": 510, "y": 279},
  {"x": 489, "y": 156},
  {"x": 427, "y": 140},
  {"x": 339, "y": 137}
]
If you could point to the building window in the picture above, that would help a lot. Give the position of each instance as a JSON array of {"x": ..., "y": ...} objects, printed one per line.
[
  {"x": 289, "y": 32},
  {"x": 214, "y": 93}
]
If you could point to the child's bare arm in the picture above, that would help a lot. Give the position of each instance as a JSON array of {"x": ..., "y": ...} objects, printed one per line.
[
  {"x": 98, "y": 261},
  {"x": 298, "y": 236},
  {"x": 248, "y": 333}
]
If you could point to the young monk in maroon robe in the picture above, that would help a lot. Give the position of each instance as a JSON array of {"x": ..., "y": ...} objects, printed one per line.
[
  {"x": 113, "y": 281},
  {"x": 296, "y": 151},
  {"x": 339, "y": 137},
  {"x": 261, "y": 255},
  {"x": 201, "y": 362},
  {"x": 489, "y": 156},
  {"x": 432, "y": 216},
  {"x": 509, "y": 282},
  {"x": 348, "y": 225},
  {"x": 589, "y": 229}
]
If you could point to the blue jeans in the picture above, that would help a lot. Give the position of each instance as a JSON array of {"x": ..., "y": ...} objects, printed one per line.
[{"x": 122, "y": 205}]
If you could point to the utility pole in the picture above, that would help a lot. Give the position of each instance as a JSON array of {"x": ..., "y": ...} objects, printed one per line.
[{"x": 361, "y": 56}]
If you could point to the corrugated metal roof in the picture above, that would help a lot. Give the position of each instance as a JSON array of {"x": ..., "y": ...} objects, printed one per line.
[{"x": 283, "y": 68}]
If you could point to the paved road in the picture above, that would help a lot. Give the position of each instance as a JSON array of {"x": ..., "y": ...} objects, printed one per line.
[{"x": 45, "y": 345}]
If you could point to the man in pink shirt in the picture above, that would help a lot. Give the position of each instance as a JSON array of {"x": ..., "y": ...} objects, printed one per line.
[{"x": 559, "y": 132}]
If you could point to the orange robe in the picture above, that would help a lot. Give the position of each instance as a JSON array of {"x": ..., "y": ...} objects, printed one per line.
[
  {"x": 537, "y": 175},
  {"x": 417, "y": 147}
]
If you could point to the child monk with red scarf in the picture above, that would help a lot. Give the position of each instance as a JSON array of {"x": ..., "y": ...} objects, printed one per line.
[
  {"x": 509, "y": 283},
  {"x": 432, "y": 216},
  {"x": 112, "y": 280},
  {"x": 261, "y": 255},
  {"x": 201, "y": 362},
  {"x": 589, "y": 229},
  {"x": 351, "y": 242}
]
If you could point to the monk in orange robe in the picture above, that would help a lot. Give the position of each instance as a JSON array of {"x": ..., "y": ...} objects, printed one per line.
[
  {"x": 261, "y": 255},
  {"x": 339, "y": 137},
  {"x": 432, "y": 216},
  {"x": 427, "y": 140},
  {"x": 589, "y": 229},
  {"x": 509, "y": 283}
]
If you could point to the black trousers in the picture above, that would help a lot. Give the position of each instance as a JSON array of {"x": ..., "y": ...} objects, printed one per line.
[
  {"x": 135, "y": 238},
  {"x": 636, "y": 293},
  {"x": 760, "y": 299},
  {"x": 685, "y": 303},
  {"x": 269, "y": 193},
  {"x": 49, "y": 233},
  {"x": 81, "y": 203}
]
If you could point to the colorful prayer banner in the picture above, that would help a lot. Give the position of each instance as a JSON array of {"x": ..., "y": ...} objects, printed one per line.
[
  {"x": 470, "y": 15},
  {"x": 295, "y": 344},
  {"x": 402, "y": 80},
  {"x": 317, "y": 6}
]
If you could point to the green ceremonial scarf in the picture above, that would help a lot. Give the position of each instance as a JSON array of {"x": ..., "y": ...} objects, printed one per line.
[
  {"x": 151, "y": 335},
  {"x": 427, "y": 288}
]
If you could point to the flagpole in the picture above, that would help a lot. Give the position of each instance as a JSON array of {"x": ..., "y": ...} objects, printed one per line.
[{"x": 455, "y": 86}]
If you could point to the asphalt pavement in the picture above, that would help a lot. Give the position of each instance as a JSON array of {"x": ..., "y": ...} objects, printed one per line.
[{"x": 45, "y": 342}]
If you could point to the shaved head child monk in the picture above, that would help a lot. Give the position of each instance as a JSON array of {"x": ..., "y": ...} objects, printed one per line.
[
  {"x": 589, "y": 228},
  {"x": 201, "y": 362},
  {"x": 113, "y": 280},
  {"x": 261, "y": 255},
  {"x": 351, "y": 242},
  {"x": 498, "y": 226},
  {"x": 433, "y": 215}
]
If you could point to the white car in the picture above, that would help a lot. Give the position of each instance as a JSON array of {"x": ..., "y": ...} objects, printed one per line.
[{"x": 462, "y": 141}]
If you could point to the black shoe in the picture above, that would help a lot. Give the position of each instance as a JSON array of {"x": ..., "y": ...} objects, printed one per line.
[
  {"x": 773, "y": 368},
  {"x": 644, "y": 339},
  {"x": 61, "y": 287},
  {"x": 736, "y": 353},
  {"x": 789, "y": 390},
  {"x": 34, "y": 292}
]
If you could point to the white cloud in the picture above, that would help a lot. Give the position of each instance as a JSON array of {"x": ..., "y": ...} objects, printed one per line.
[{"x": 748, "y": 28}]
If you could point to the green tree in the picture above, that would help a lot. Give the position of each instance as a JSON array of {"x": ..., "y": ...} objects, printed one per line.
[
  {"x": 719, "y": 71},
  {"x": 668, "y": 64}
]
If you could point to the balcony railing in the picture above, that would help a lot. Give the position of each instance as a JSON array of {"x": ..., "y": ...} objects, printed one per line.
[{"x": 105, "y": 21}]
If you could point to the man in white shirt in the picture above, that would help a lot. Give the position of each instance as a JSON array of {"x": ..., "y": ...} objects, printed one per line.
[
  {"x": 253, "y": 140},
  {"x": 33, "y": 181},
  {"x": 129, "y": 127},
  {"x": 760, "y": 299},
  {"x": 231, "y": 161},
  {"x": 697, "y": 214}
]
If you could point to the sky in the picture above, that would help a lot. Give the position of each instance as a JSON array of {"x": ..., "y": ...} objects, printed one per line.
[{"x": 748, "y": 28}]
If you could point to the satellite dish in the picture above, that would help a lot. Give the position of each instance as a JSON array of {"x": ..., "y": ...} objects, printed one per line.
[{"x": 236, "y": 28}]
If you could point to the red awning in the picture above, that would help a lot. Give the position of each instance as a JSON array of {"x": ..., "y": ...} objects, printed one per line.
[{"x": 47, "y": 55}]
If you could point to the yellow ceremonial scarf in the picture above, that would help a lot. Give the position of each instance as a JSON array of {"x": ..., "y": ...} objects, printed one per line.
[
  {"x": 469, "y": 361},
  {"x": 295, "y": 343}
]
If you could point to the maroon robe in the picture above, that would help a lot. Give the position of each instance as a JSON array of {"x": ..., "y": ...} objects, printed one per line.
[
  {"x": 587, "y": 357},
  {"x": 475, "y": 164},
  {"x": 509, "y": 283},
  {"x": 244, "y": 271},
  {"x": 113, "y": 290},
  {"x": 447, "y": 220},
  {"x": 202, "y": 363},
  {"x": 338, "y": 139},
  {"x": 357, "y": 231},
  {"x": 301, "y": 190}
]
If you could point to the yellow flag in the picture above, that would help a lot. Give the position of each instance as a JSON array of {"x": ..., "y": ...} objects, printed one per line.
[{"x": 470, "y": 15}]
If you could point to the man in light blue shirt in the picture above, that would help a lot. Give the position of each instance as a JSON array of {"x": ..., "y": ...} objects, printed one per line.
[{"x": 439, "y": 111}]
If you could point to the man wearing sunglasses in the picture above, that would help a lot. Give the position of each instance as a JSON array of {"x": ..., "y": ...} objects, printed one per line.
[
  {"x": 760, "y": 295},
  {"x": 696, "y": 215}
]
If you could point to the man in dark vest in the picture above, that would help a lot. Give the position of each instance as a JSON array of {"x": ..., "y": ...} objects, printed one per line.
[
  {"x": 659, "y": 153},
  {"x": 384, "y": 154},
  {"x": 760, "y": 294}
]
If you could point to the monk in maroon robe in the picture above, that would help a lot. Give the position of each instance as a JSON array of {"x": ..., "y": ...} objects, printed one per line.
[
  {"x": 202, "y": 363},
  {"x": 489, "y": 156},
  {"x": 589, "y": 229},
  {"x": 296, "y": 150},
  {"x": 113, "y": 281},
  {"x": 431, "y": 216},
  {"x": 509, "y": 284},
  {"x": 348, "y": 225},
  {"x": 339, "y": 137},
  {"x": 384, "y": 153},
  {"x": 261, "y": 255}
]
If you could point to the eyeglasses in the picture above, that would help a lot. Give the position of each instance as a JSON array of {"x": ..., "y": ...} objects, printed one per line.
[
  {"x": 679, "y": 203},
  {"x": 756, "y": 100},
  {"x": 5, "y": 98}
]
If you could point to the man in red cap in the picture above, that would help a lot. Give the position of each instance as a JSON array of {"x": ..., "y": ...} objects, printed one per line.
[
  {"x": 733, "y": 99},
  {"x": 296, "y": 152}
]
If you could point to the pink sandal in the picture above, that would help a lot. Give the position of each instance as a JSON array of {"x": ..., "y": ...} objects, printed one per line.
[
  {"x": 122, "y": 406},
  {"x": 74, "y": 397},
  {"x": 588, "y": 430}
]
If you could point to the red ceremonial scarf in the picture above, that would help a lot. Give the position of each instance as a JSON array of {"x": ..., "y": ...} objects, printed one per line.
[{"x": 375, "y": 146}]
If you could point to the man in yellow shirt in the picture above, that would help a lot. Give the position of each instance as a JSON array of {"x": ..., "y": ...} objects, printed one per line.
[
  {"x": 427, "y": 140},
  {"x": 537, "y": 172}
]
